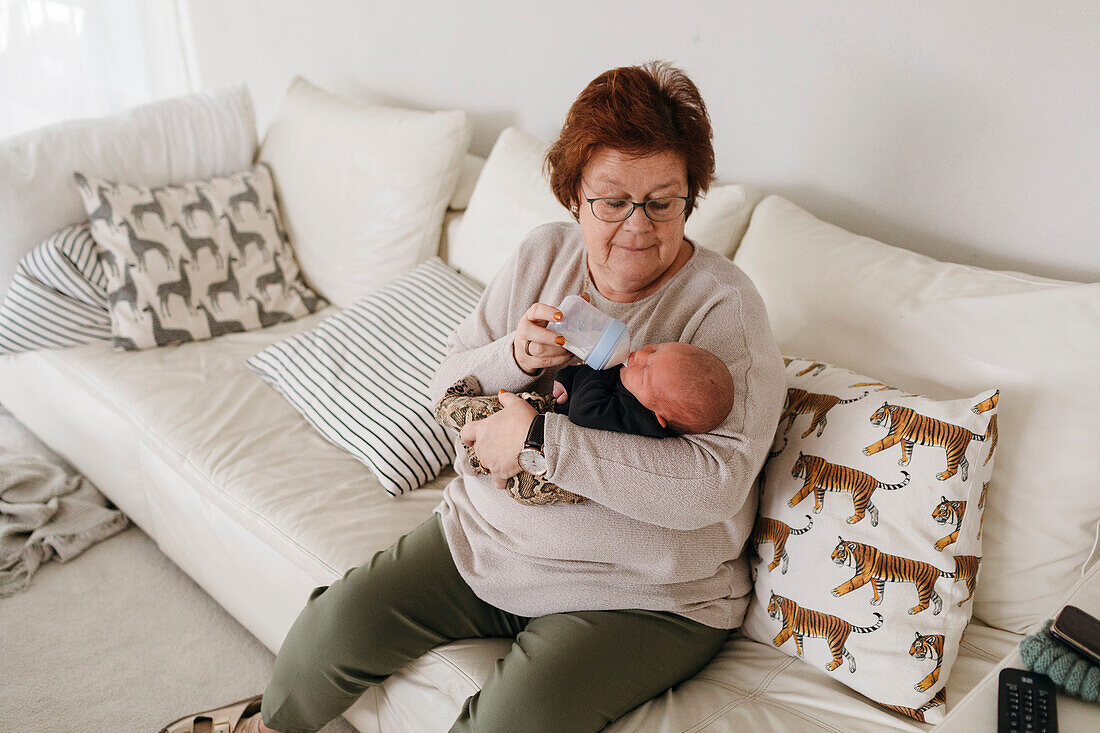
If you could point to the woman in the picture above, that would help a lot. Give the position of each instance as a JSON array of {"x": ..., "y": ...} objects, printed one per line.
[{"x": 614, "y": 600}]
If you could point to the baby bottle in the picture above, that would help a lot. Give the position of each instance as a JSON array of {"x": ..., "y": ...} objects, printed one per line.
[{"x": 598, "y": 339}]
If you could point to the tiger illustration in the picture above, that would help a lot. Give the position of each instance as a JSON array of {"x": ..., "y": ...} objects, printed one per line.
[
  {"x": 909, "y": 427},
  {"x": 987, "y": 404},
  {"x": 799, "y": 622},
  {"x": 928, "y": 646},
  {"x": 918, "y": 713},
  {"x": 991, "y": 429},
  {"x": 771, "y": 530},
  {"x": 966, "y": 568},
  {"x": 876, "y": 566},
  {"x": 821, "y": 476},
  {"x": 880, "y": 386},
  {"x": 817, "y": 367},
  {"x": 981, "y": 505},
  {"x": 991, "y": 436},
  {"x": 799, "y": 401},
  {"x": 949, "y": 511}
]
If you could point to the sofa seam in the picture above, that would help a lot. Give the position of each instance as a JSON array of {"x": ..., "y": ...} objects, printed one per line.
[
  {"x": 979, "y": 652},
  {"x": 756, "y": 695},
  {"x": 456, "y": 668}
]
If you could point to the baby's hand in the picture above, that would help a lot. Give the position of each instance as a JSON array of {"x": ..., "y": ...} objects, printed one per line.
[{"x": 560, "y": 395}]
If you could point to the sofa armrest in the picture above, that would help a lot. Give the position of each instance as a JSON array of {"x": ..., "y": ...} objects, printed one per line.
[{"x": 978, "y": 710}]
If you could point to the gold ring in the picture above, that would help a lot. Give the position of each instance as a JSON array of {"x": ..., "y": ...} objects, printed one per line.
[{"x": 527, "y": 348}]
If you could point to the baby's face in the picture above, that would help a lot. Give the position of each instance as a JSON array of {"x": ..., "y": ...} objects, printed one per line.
[{"x": 650, "y": 373}]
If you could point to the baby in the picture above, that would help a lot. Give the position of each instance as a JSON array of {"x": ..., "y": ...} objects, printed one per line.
[{"x": 663, "y": 390}]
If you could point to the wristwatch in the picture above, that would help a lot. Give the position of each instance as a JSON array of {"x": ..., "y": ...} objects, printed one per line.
[{"x": 531, "y": 458}]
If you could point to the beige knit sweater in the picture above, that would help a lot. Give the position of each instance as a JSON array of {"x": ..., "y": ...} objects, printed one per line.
[{"x": 667, "y": 519}]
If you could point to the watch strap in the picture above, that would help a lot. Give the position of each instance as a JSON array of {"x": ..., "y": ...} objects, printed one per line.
[{"x": 536, "y": 433}]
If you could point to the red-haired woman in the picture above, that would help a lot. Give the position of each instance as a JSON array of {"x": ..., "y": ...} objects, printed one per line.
[{"x": 616, "y": 599}]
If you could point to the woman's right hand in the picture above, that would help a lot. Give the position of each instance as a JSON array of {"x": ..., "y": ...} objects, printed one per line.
[{"x": 536, "y": 347}]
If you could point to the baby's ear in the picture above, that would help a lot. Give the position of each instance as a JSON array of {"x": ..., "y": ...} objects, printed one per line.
[{"x": 661, "y": 419}]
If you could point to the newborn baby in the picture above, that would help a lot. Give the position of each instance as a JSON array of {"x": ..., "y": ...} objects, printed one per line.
[{"x": 663, "y": 390}]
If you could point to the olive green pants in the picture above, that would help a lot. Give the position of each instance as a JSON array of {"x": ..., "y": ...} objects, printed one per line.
[{"x": 565, "y": 672}]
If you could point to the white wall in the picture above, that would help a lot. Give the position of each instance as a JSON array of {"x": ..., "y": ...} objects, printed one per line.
[{"x": 964, "y": 130}]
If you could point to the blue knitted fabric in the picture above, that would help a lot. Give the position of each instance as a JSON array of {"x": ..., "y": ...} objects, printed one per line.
[{"x": 1072, "y": 674}]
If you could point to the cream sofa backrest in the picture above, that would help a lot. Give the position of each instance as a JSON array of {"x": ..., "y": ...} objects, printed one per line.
[
  {"x": 172, "y": 141},
  {"x": 948, "y": 330},
  {"x": 362, "y": 187}
]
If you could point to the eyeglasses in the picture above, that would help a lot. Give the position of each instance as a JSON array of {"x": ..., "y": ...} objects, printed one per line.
[{"x": 614, "y": 210}]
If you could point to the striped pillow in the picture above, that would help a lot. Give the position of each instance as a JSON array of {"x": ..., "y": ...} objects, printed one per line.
[
  {"x": 361, "y": 377},
  {"x": 58, "y": 295}
]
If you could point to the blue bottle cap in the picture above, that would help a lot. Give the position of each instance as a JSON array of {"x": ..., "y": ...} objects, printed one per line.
[{"x": 601, "y": 352}]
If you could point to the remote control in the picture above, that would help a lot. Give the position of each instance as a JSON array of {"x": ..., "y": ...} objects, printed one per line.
[{"x": 1026, "y": 703}]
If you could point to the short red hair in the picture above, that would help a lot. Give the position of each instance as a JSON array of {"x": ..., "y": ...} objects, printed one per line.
[{"x": 636, "y": 110}]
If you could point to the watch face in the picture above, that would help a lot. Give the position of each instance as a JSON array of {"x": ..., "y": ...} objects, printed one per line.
[{"x": 532, "y": 461}]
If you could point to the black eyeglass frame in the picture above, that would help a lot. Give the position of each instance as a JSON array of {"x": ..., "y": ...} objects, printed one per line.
[{"x": 634, "y": 205}]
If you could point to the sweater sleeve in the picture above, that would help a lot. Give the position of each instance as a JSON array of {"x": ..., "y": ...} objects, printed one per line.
[
  {"x": 482, "y": 344},
  {"x": 691, "y": 481}
]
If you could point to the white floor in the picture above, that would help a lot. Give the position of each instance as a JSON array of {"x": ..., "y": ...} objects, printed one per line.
[{"x": 119, "y": 639}]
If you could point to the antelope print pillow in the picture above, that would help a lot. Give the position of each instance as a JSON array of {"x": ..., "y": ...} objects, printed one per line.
[
  {"x": 868, "y": 538},
  {"x": 196, "y": 260}
]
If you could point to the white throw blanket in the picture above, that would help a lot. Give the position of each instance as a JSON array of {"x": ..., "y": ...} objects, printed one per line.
[{"x": 46, "y": 512}]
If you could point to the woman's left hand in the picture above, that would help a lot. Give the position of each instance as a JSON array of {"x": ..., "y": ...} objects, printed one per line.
[{"x": 498, "y": 439}]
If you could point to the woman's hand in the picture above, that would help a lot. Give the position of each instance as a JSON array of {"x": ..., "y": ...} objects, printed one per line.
[
  {"x": 498, "y": 439},
  {"x": 536, "y": 347}
]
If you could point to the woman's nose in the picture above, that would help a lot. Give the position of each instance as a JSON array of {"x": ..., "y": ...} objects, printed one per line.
[{"x": 637, "y": 221}]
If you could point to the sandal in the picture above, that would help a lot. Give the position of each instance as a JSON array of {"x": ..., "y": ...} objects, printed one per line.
[{"x": 221, "y": 720}]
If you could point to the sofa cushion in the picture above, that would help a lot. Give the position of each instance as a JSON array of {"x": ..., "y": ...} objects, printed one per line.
[
  {"x": 868, "y": 484},
  {"x": 946, "y": 330},
  {"x": 183, "y": 139},
  {"x": 361, "y": 377},
  {"x": 200, "y": 410},
  {"x": 747, "y": 686},
  {"x": 57, "y": 297},
  {"x": 201, "y": 258},
  {"x": 467, "y": 180},
  {"x": 363, "y": 188},
  {"x": 513, "y": 196}
]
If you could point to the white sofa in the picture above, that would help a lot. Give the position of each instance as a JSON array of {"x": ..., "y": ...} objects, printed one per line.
[{"x": 251, "y": 502}]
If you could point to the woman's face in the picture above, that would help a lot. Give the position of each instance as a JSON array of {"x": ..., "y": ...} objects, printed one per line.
[{"x": 628, "y": 258}]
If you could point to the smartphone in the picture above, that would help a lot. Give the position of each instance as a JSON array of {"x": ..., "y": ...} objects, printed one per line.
[{"x": 1079, "y": 631}]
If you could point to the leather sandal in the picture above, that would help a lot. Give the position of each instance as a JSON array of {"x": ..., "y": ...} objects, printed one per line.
[{"x": 220, "y": 720}]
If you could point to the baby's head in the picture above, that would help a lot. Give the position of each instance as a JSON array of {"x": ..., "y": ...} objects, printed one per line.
[{"x": 688, "y": 388}]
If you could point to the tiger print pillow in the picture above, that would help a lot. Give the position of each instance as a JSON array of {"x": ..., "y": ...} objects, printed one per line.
[{"x": 868, "y": 538}]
